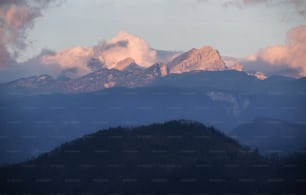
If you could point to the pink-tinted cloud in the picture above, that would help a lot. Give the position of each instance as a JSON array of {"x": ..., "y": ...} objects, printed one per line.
[
  {"x": 110, "y": 52},
  {"x": 135, "y": 47},
  {"x": 292, "y": 55},
  {"x": 16, "y": 17},
  {"x": 74, "y": 58}
]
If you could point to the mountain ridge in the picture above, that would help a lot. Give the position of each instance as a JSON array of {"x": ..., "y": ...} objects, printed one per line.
[
  {"x": 126, "y": 73},
  {"x": 157, "y": 74}
]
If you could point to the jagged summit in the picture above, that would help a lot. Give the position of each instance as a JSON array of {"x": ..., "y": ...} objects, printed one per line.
[
  {"x": 205, "y": 58},
  {"x": 123, "y": 64}
]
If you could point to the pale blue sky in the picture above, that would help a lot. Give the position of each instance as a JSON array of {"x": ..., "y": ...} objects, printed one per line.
[{"x": 164, "y": 24}]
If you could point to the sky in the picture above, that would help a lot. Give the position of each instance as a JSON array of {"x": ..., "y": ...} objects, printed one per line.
[
  {"x": 238, "y": 28},
  {"x": 165, "y": 24}
]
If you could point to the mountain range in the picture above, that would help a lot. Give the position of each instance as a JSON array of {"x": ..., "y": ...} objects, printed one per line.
[{"x": 126, "y": 73}]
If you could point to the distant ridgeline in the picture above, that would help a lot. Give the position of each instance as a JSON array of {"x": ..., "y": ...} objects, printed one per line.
[{"x": 182, "y": 157}]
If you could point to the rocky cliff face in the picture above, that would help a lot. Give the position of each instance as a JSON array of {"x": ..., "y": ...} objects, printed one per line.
[{"x": 205, "y": 58}]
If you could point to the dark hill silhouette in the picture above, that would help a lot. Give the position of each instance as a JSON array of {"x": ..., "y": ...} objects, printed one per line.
[{"x": 174, "y": 157}]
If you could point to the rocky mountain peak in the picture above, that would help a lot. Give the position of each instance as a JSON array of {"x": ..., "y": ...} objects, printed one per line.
[
  {"x": 121, "y": 65},
  {"x": 205, "y": 58}
]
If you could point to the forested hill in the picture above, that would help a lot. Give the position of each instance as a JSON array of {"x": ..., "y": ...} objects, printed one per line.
[{"x": 174, "y": 157}]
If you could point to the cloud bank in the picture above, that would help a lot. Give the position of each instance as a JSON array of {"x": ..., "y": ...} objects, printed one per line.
[
  {"x": 109, "y": 53},
  {"x": 288, "y": 59},
  {"x": 16, "y": 17}
]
